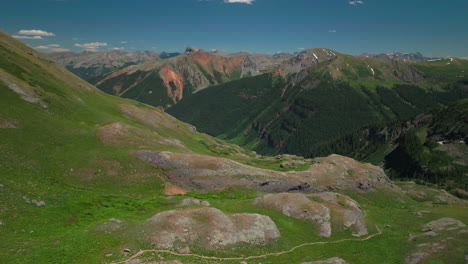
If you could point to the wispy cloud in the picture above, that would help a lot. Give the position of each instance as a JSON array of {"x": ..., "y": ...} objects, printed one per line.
[
  {"x": 59, "y": 50},
  {"x": 249, "y": 2},
  {"x": 41, "y": 47},
  {"x": 52, "y": 48},
  {"x": 354, "y": 3},
  {"x": 301, "y": 48},
  {"x": 123, "y": 42},
  {"x": 94, "y": 46},
  {"x": 35, "y": 32},
  {"x": 121, "y": 48},
  {"x": 332, "y": 30},
  {"x": 27, "y": 37}
]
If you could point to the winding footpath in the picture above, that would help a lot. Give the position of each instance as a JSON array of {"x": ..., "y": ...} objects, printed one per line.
[{"x": 141, "y": 252}]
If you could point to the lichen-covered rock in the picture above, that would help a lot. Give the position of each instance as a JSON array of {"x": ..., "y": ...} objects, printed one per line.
[
  {"x": 334, "y": 260},
  {"x": 208, "y": 227},
  {"x": 346, "y": 210},
  {"x": 322, "y": 209},
  {"x": 112, "y": 225},
  {"x": 202, "y": 172},
  {"x": 193, "y": 202},
  {"x": 445, "y": 223},
  {"x": 297, "y": 205},
  {"x": 441, "y": 235}
]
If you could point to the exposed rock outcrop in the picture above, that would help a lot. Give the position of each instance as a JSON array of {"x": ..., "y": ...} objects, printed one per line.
[
  {"x": 208, "y": 227},
  {"x": 440, "y": 235},
  {"x": 346, "y": 210},
  {"x": 112, "y": 225},
  {"x": 334, "y": 260},
  {"x": 441, "y": 224},
  {"x": 322, "y": 209},
  {"x": 297, "y": 205},
  {"x": 201, "y": 172}
]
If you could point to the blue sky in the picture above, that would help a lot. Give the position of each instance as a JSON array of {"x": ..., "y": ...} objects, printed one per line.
[{"x": 435, "y": 28}]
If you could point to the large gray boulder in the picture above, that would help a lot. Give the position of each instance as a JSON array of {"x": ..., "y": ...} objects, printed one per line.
[{"x": 208, "y": 227}]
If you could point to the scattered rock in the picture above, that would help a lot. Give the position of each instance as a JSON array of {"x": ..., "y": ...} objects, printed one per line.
[
  {"x": 208, "y": 227},
  {"x": 38, "y": 203},
  {"x": 139, "y": 261},
  {"x": 7, "y": 124},
  {"x": 108, "y": 255},
  {"x": 192, "y": 129},
  {"x": 426, "y": 234},
  {"x": 193, "y": 202},
  {"x": 126, "y": 250},
  {"x": 334, "y": 260},
  {"x": 290, "y": 164},
  {"x": 184, "y": 250},
  {"x": 175, "y": 143},
  {"x": 440, "y": 241},
  {"x": 420, "y": 213},
  {"x": 112, "y": 225},
  {"x": 297, "y": 205},
  {"x": 189, "y": 202},
  {"x": 1, "y": 185},
  {"x": 447, "y": 198},
  {"x": 445, "y": 223}
]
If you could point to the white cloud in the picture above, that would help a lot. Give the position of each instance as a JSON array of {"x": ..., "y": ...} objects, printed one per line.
[
  {"x": 357, "y": 2},
  {"x": 35, "y": 32},
  {"x": 27, "y": 37},
  {"x": 300, "y": 48},
  {"x": 41, "y": 47},
  {"x": 332, "y": 30},
  {"x": 121, "y": 48},
  {"x": 249, "y": 2},
  {"x": 75, "y": 39},
  {"x": 59, "y": 50},
  {"x": 53, "y": 45},
  {"x": 94, "y": 46},
  {"x": 123, "y": 42}
]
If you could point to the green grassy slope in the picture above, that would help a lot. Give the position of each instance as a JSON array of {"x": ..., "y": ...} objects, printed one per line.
[{"x": 55, "y": 154}]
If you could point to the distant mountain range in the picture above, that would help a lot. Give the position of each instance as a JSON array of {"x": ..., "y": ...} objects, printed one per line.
[
  {"x": 416, "y": 56},
  {"x": 90, "y": 64},
  {"x": 164, "y": 82},
  {"x": 317, "y": 96}
]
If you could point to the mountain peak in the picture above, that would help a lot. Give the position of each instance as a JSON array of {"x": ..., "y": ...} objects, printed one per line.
[{"x": 191, "y": 50}]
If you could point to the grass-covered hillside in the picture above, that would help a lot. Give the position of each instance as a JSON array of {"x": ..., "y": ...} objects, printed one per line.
[{"x": 86, "y": 177}]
